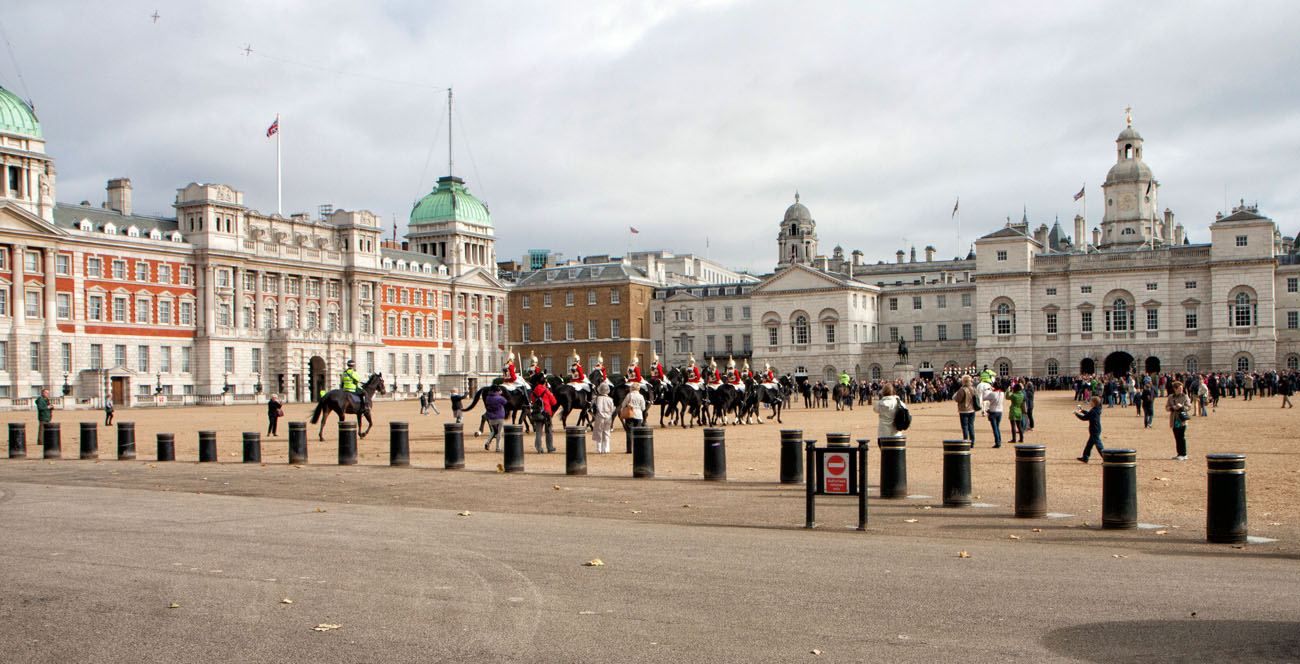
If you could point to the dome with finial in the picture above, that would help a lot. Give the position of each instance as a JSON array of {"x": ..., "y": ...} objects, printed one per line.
[
  {"x": 450, "y": 201},
  {"x": 797, "y": 212},
  {"x": 17, "y": 117}
]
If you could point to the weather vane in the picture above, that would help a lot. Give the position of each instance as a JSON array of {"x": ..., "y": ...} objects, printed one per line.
[{"x": 1128, "y": 116}]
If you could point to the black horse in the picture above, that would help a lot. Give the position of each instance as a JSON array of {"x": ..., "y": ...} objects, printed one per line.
[
  {"x": 344, "y": 403},
  {"x": 757, "y": 394},
  {"x": 516, "y": 403},
  {"x": 569, "y": 398}
]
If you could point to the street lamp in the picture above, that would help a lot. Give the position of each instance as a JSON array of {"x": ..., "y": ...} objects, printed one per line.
[
  {"x": 258, "y": 386},
  {"x": 158, "y": 386},
  {"x": 67, "y": 389},
  {"x": 225, "y": 389}
]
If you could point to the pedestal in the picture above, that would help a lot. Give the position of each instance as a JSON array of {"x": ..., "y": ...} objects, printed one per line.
[{"x": 904, "y": 371}]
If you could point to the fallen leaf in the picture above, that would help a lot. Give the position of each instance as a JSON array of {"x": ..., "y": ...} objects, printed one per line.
[
  {"x": 1238, "y": 546},
  {"x": 325, "y": 627},
  {"x": 1038, "y": 530},
  {"x": 594, "y": 562},
  {"x": 815, "y": 651},
  {"x": 465, "y": 513},
  {"x": 636, "y": 511},
  {"x": 286, "y": 601},
  {"x": 686, "y": 505},
  {"x": 1274, "y": 523},
  {"x": 1013, "y": 536},
  {"x": 910, "y": 520},
  {"x": 963, "y": 554},
  {"x": 1162, "y": 532},
  {"x": 320, "y": 511},
  {"x": 173, "y": 605},
  {"x": 1116, "y": 555},
  {"x": 555, "y": 486},
  {"x": 501, "y": 468},
  {"x": 751, "y": 469},
  {"x": 925, "y": 507},
  {"x": 1161, "y": 479},
  {"x": 586, "y": 613}
]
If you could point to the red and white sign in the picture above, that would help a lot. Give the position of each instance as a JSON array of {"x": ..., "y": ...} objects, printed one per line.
[{"x": 835, "y": 472}]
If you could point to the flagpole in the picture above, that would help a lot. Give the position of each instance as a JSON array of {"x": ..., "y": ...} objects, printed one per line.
[{"x": 279, "y": 180}]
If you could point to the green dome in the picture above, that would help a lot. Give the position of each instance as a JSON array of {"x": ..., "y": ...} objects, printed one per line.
[
  {"x": 450, "y": 201},
  {"x": 16, "y": 117}
]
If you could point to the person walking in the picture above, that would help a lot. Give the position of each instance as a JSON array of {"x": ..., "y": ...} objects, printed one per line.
[
  {"x": 1148, "y": 399},
  {"x": 44, "y": 413},
  {"x": 274, "y": 411},
  {"x": 602, "y": 418},
  {"x": 543, "y": 409},
  {"x": 967, "y": 405},
  {"x": 632, "y": 410},
  {"x": 495, "y": 406},
  {"x": 108, "y": 411},
  {"x": 995, "y": 401},
  {"x": 1029, "y": 406},
  {"x": 887, "y": 407},
  {"x": 1017, "y": 401},
  {"x": 1093, "y": 417},
  {"x": 1285, "y": 386},
  {"x": 1179, "y": 407},
  {"x": 433, "y": 406},
  {"x": 424, "y": 402},
  {"x": 1203, "y": 398}
]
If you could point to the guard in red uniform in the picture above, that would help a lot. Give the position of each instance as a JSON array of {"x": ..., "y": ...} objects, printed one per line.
[
  {"x": 634, "y": 371},
  {"x": 578, "y": 377},
  {"x": 693, "y": 374}
]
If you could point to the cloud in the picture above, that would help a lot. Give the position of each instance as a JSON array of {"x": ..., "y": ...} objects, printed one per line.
[{"x": 686, "y": 120}]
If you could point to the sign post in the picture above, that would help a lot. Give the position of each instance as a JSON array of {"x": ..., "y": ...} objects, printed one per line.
[{"x": 835, "y": 471}]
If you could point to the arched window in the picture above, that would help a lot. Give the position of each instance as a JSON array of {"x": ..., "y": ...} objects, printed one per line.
[
  {"x": 875, "y": 372},
  {"x": 1243, "y": 363},
  {"x": 1243, "y": 310},
  {"x": 799, "y": 331},
  {"x": 1004, "y": 369},
  {"x": 1293, "y": 362},
  {"x": 1192, "y": 365},
  {"x": 1117, "y": 316},
  {"x": 1004, "y": 319},
  {"x": 1053, "y": 369}
]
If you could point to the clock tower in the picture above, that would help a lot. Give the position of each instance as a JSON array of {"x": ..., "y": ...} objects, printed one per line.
[{"x": 1131, "y": 195}]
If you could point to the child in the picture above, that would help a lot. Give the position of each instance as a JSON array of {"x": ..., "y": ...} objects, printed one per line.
[{"x": 1093, "y": 418}]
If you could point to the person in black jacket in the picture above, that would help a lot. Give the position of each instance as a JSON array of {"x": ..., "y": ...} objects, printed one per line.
[
  {"x": 274, "y": 411},
  {"x": 1093, "y": 418}
]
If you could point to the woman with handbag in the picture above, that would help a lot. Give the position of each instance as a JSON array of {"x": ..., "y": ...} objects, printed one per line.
[
  {"x": 602, "y": 419},
  {"x": 274, "y": 411},
  {"x": 1179, "y": 406},
  {"x": 632, "y": 412}
]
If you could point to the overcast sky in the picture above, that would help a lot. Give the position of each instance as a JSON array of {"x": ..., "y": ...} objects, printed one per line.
[{"x": 693, "y": 122}]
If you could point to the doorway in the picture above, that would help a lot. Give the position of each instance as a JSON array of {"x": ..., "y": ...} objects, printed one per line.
[
  {"x": 1153, "y": 365},
  {"x": 118, "y": 390},
  {"x": 1119, "y": 363},
  {"x": 316, "y": 376},
  {"x": 1087, "y": 366}
]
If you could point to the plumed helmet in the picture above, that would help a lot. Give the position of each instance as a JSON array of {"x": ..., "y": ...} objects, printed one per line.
[
  {"x": 576, "y": 357},
  {"x": 532, "y": 357},
  {"x": 635, "y": 359},
  {"x": 731, "y": 362},
  {"x": 691, "y": 359},
  {"x": 511, "y": 357},
  {"x": 654, "y": 358},
  {"x": 600, "y": 358}
]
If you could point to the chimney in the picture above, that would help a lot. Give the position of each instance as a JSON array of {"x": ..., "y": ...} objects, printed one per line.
[
  {"x": 119, "y": 195},
  {"x": 1096, "y": 237},
  {"x": 913, "y": 253},
  {"x": 1080, "y": 235},
  {"x": 929, "y": 253},
  {"x": 1040, "y": 234},
  {"x": 857, "y": 257},
  {"x": 1180, "y": 234},
  {"x": 899, "y": 254},
  {"x": 1169, "y": 226}
]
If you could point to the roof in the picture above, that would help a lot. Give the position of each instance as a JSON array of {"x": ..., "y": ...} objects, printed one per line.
[
  {"x": 70, "y": 216},
  {"x": 16, "y": 117},
  {"x": 576, "y": 274},
  {"x": 1006, "y": 231},
  {"x": 1242, "y": 215},
  {"x": 450, "y": 201},
  {"x": 409, "y": 256}
]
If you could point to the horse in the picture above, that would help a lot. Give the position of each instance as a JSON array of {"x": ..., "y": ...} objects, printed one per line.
[
  {"x": 569, "y": 398},
  {"x": 343, "y": 403},
  {"x": 756, "y": 394},
  {"x": 843, "y": 395},
  {"x": 687, "y": 404},
  {"x": 516, "y": 403}
]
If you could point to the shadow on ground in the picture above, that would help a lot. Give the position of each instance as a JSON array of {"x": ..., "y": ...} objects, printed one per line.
[{"x": 1192, "y": 640}]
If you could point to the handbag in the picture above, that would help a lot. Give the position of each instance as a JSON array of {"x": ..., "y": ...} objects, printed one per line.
[
  {"x": 279, "y": 412},
  {"x": 627, "y": 412}
]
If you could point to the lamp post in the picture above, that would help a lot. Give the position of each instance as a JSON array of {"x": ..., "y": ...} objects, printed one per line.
[
  {"x": 258, "y": 386},
  {"x": 67, "y": 389},
  {"x": 158, "y": 386},
  {"x": 225, "y": 388}
]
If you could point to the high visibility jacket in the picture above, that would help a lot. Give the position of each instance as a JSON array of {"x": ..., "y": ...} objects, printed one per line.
[{"x": 351, "y": 381}]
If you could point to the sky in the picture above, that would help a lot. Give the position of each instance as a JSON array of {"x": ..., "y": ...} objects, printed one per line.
[{"x": 694, "y": 122}]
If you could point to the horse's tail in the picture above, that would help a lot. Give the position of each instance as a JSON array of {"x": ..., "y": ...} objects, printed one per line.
[
  {"x": 320, "y": 406},
  {"x": 474, "y": 402}
]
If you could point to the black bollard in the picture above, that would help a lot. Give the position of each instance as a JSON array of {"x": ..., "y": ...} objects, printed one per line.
[
  {"x": 166, "y": 447},
  {"x": 298, "y": 443},
  {"x": 399, "y": 444},
  {"x": 1119, "y": 489},
  {"x": 453, "y": 437},
  {"x": 1225, "y": 504},
  {"x": 643, "y": 452},
  {"x": 53, "y": 446},
  {"x": 252, "y": 447},
  {"x": 575, "y": 450},
  {"x": 1031, "y": 481},
  {"x": 125, "y": 441},
  {"x": 893, "y": 466},
  {"x": 791, "y": 456},
  {"x": 347, "y": 443},
  {"x": 513, "y": 449},
  {"x": 207, "y": 447},
  {"x": 837, "y": 440},
  {"x": 956, "y": 473},
  {"x": 17, "y": 440},
  {"x": 90, "y": 440},
  {"x": 715, "y": 454}
]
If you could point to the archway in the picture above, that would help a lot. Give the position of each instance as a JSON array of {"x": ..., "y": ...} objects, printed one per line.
[
  {"x": 316, "y": 377},
  {"x": 1118, "y": 363},
  {"x": 1152, "y": 364},
  {"x": 1087, "y": 366}
]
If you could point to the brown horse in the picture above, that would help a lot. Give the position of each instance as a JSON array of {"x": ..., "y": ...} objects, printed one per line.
[{"x": 344, "y": 403}]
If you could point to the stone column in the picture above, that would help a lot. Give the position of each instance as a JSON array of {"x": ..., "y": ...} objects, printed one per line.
[
  {"x": 237, "y": 308},
  {"x": 18, "y": 300},
  {"x": 53, "y": 350},
  {"x": 208, "y": 310},
  {"x": 257, "y": 321}
]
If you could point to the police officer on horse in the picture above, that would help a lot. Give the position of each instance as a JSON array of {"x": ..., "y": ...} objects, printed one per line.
[{"x": 351, "y": 382}]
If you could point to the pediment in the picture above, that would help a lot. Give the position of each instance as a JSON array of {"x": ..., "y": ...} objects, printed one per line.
[
  {"x": 477, "y": 277},
  {"x": 16, "y": 219},
  {"x": 798, "y": 278}
]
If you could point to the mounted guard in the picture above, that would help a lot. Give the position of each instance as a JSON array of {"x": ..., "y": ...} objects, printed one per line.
[
  {"x": 657, "y": 370},
  {"x": 634, "y": 379},
  {"x": 578, "y": 377},
  {"x": 534, "y": 369},
  {"x": 715, "y": 376},
  {"x": 769, "y": 377},
  {"x": 733, "y": 375},
  {"x": 693, "y": 378},
  {"x": 598, "y": 374},
  {"x": 350, "y": 381},
  {"x": 510, "y": 378}
]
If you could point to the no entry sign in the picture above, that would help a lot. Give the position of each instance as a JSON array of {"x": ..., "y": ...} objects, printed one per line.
[{"x": 836, "y": 474}]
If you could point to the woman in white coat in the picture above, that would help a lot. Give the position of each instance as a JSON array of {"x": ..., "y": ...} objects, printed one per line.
[
  {"x": 888, "y": 404},
  {"x": 602, "y": 419}
]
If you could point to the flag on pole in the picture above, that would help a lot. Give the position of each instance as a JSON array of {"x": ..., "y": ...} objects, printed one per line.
[
  {"x": 633, "y": 229},
  {"x": 1080, "y": 194},
  {"x": 955, "y": 205},
  {"x": 273, "y": 129}
]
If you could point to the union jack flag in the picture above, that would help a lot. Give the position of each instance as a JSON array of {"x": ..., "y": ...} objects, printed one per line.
[{"x": 273, "y": 129}]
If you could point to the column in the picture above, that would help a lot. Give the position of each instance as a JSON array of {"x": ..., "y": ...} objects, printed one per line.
[
  {"x": 53, "y": 350},
  {"x": 257, "y": 323},
  {"x": 50, "y": 289},
  {"x": 18, "y": 299},
  {"x": 237, "y": 309},
  {"x": 208, "y": 310},
  {"x": 282, "y": 297}
]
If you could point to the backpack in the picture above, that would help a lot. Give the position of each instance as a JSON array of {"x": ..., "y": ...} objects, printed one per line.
[
  {"x": 902, "y": 417},
  {"x": 538, "y": 410}
]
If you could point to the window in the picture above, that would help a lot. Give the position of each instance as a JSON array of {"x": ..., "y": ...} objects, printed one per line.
[
  {"x": 1051, "y": 291},
  {"x": 568, "y": 330},
  {"x": 164, "y": 274},
  {"x": 1293, "y": 362},
  {"x": 965, "y": 299},
  {"x": 1292, "y": 284},
  {"x": 546, "y": 331},
  {"x": 142, "y": 358},
  {"x": 141, "y": 271},
  {"x": 119, "y": 355},
  {"x": 165, "y": 312},
  {"x": 875, "y": 372},
  {"x": 95, "y": 307},
  {"x": 941, "y": 301},
  {"x": 799, "y": 331},
  {"x": 187, "y": 313},
  {"x": 187, "y": 354},
  {"x": 591, "y": 297},
  {"x": 1085, "y": 321},
  {"x": 32, "y": 262},
  {"x": 523, "y": 301},
  {"x": 1243, "y": 362},
  {"x": 744, "y": 313},
  {"x": 966, "y": 331},
  {"x": 746, "y": 343},
  {"x": 1004, "y": 320},
  {"x": 4, "y": 302},
  {"x": 1151, "y": 285},
  {"x": 1051, "y": 323},
  {"x": 1293, "y": 320},
  {"x": 187, "y": 276},
  {"x": 615, "y": 328},
  {"x": 228, "y": 357},
  {"x": 591, "y": 329},
  {"x": 223, "y": 314},
  {"x": 710, "y": 347},
  {"x": 525, "y": 332},
  {"x": 709, "y": 314},
  {"x": 916, "y": 303},
  {"x": 33, "y": 304},
  {"x": 119, "y": 269},
  {"x": 1002, "y": 255},
  {"x": 893, "y": 335},
  {"x": 1004, "y": 369},
  {"x": 34, "y": 353},
  {"x": 1241, "y": 240},
  {"x": 568, "y": 298},
  {"x": 613, "y": 296},
  {"x": 659, "y": 316},
  {"x": 1153, "y": 319},
  {"x": 1189, "y": 318},
  {"x": 916, "y": 332},
  {"x": 726, "y": 313},
  {"x": 165, "y": 359},
  {"x": 546, "y": 300},
  {"x": 1053, "y": 369},
  {"x": 142, "y": 311},
  {"x": 67, "y": 358},
  {"x": 1189, "y": 284},
  {"x": 772, "y": 336},
  {"x": 96, "y": 356},
  {"x": 830, "y": 333},
  {"x": 1117, "y": 316},
  {"x": 943, "y": 332},
  {"x": 1242, "y": 311},
  {"x": 63, "y": 264},
  {"x": 63, "y": 306},
  {"x": 893, "y": 304},
  {"x": 119, "y": 309},
  {"x": 94, "y": 267}
]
